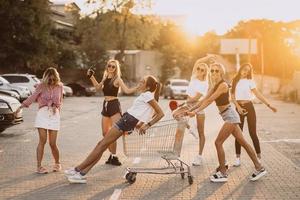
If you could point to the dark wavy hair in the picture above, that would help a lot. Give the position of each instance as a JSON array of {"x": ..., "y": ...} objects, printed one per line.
[
  {"x": 154, "y": 86},
  {"x": 237, "y": 77}
]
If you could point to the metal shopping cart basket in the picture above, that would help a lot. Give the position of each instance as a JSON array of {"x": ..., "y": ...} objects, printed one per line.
[{"x": 163, "y": 140}]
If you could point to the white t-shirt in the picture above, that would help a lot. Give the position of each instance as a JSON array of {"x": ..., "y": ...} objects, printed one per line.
[
  {"x": 243, "y": 89},
  {"x": 141, "y": 109},
  {"x": 197, "y": 86}
]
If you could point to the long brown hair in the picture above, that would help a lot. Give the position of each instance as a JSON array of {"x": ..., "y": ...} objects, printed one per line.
[
  {"x": 237, "y": 77},
  {"x": 154, "y": 86}
]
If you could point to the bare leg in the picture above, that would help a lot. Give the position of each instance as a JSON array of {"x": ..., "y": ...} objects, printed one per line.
[
  {"x": 237, "y": 133},
  {"x": 41, "y": 145},
  {"x": 53, "y": 145},
  {"x": 97, "y": 152},
  {"x": 106, "y": 125},
  {"x": 114, "y": 119},
  {"x": 200, "y": 128},
  {"x": 224, "y": 133}
]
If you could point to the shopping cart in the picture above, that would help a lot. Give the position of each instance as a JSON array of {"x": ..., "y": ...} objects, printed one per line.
[{"x": 163, "y": 140}]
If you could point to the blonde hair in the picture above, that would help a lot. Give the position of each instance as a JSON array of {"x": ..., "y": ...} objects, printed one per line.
[
  {"x": 117, "y": 72},
  {"x": 196, "y": 65},
  {"x": 51, "y": 71},
  {"x": 221, "y": 68}
]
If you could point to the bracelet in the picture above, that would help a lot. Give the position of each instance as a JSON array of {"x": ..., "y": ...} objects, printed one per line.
[{"x": 149, "y": 124}]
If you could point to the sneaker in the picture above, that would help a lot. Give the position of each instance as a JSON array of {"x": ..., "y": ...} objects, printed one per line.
[
  {"x": 42, "y": 170},
  {"x": 258, "y": 174},
  {"x": 218, "y": 177},
  {"x": 70, "y": 171},
  {"x": 109, "y": 160},
  {"x": 197, "y": 160},
  {"x": 115, "y": 161},
  {"x": 77, "y": 178},
  {"x": 237, "y": 162},
  {"x": 56, "y": 168}
]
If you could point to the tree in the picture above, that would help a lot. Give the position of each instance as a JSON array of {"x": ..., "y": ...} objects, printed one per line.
[{"x": 25, "y": 34}]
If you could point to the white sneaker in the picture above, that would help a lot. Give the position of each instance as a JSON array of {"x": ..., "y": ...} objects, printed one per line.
[
  {"x": 237, "y": 162},
  {"x": 198, "y": 160},
  {"x": 218, "y": 177},
  {"x": 77, "y": 178},
  {"x": 258, "y": 174},
  {"x": 70, "y": 172}
]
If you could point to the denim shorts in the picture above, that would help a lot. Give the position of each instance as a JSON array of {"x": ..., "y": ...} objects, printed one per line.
[
  {"x": 126, "y": 123},
  {"x": 230, "y": 115}
]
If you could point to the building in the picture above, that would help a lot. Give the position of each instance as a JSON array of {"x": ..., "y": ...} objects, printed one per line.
[
  {"x": 63, "y": 14},
  {"x": 140, "y": 63}
]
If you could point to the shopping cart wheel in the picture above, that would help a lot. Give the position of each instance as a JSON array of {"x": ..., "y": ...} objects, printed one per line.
[
  {"x": 182, "y": 174},
  {"x": 131, "y": 177},
  {"x": 190, "y": 178}
]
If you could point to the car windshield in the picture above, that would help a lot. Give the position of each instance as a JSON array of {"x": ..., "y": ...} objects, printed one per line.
[
  {"x": 181, "y": 83},
  {"x": 16, "y": 79},
  {"x": 3, "y": 80}
]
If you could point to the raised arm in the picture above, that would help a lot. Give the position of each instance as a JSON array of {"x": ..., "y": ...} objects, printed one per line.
[
  {"x": 263, "y": 99},
  {"x": 124, "y": 87},
  {"x": 98, "y": 86}
]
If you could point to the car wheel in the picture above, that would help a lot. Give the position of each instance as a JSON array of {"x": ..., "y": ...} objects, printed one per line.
[{"x": 2, "y": 129}]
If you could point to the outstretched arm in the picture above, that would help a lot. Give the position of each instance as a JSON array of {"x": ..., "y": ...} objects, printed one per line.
[
  {"x": 124, "y": 87},
  {"x": 263, "y": 99}
]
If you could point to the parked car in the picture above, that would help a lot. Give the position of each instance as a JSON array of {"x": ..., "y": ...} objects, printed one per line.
[
  {"x": 24, "y": 92},
  {"x": 82, "y": 90},
  {"x": 28, "y": 80},
  {"x": 8, "y": 105},
  {"x": 10, "y": 93},
  {"x": 68, "y": 92},
  {"x": 175, "y": 88}
]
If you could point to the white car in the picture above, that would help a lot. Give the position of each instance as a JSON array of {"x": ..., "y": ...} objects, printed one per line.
[
  {"x": 68, "y": 92},
  {"x": 24, "y": 92},
  {"x": 28, "y": 80},
  {"x": 175, "y": 88}
]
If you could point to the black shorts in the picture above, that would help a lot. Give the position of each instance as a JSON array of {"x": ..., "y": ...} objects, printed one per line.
[
  {"x": 110, "y": 108},
  {"x": 126, "y": 123}
]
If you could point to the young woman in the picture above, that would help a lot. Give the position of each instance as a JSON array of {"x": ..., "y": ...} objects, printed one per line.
[
  {"x": 197, "y": 89},
  {"x": 144, "y": 113},
  {"x": 243, "y": 88},
  {"x": 49, "y": 95},
  {"x": 111, "y": 109},
  {"x": 220, "y": 94}
]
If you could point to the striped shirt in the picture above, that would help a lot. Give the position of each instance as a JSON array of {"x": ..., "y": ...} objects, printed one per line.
[{"x": 46, "y": 96}]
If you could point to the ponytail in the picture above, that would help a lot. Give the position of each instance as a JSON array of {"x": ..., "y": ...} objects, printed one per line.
[{"x": 157, "y": 91}]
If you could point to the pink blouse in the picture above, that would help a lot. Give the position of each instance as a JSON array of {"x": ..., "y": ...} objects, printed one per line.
[{"x": 45, "y": 96}]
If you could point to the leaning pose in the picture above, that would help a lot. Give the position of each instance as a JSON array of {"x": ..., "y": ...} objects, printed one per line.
[
  {"x": 220, "y": 94},
  {"x": 243, "y": 91},
  {"x": 111, "y": 109},
  {"x": 49, "y": 95},
  {"x": 144, "y": 113}
]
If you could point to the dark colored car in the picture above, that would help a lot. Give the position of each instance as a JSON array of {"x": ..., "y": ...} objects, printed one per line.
[
  {"x": 82, "y": 90},
  {"x": 8, "y": 105}
]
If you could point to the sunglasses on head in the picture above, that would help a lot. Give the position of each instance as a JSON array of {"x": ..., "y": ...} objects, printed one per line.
[
  {"x": 200, "y": 69},
  {"x": 214, "y": 71},
  {"x": 111, "y": 66}
]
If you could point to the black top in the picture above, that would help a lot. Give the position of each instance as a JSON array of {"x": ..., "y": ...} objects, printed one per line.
[
  {"x": 223, "y": 99},
  {"x": 109, "y": 89}
]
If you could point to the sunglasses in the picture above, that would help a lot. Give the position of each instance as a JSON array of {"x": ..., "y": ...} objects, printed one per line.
[
  {"x": 214, "y": 71},
  {"x": 111, "y": 66},
  {"x": 51, "y": 79},
  {"x": 200, "y": 69}
]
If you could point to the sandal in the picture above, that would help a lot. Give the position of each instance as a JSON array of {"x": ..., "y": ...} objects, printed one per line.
[
  {"x": 41, "y": 170},
  {"x": 56, "y": 168}
]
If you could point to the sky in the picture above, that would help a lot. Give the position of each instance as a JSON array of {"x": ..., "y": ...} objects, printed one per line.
[{"x": 217, "y": 15}]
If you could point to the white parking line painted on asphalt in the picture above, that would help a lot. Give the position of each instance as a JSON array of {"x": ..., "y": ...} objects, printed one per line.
[
  {"x": 116, "y": 194},
  {"x": 137, "y": 160},
  {"x": 282, "y": 140}
]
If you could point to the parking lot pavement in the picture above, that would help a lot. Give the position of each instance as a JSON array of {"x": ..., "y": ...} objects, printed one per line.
[{"x": 80, "y": 131}]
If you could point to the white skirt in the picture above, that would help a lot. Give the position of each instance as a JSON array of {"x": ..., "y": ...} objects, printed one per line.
[{"x": 47, "y": 120}]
